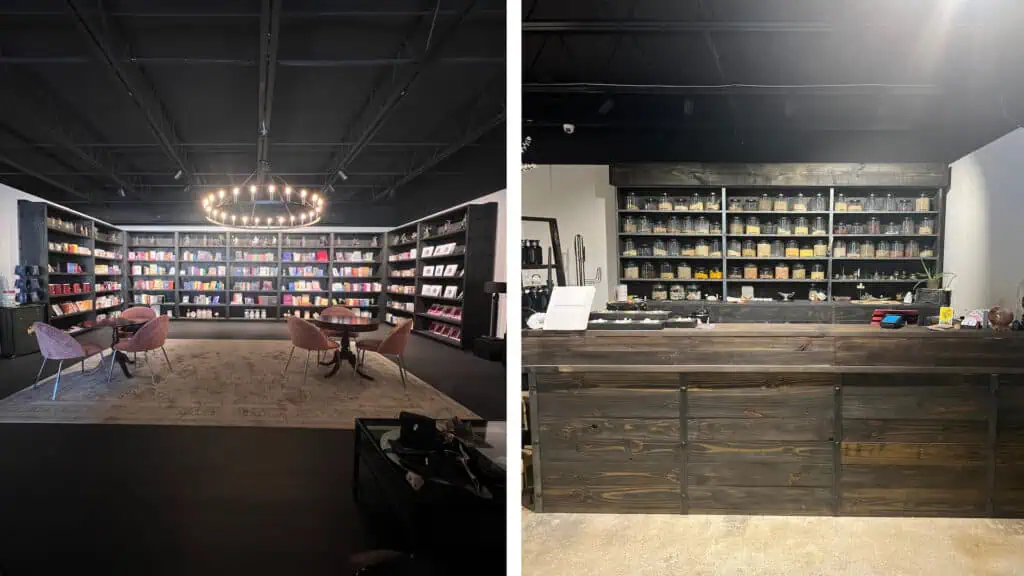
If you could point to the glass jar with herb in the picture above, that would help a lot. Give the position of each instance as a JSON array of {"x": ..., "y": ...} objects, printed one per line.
[
  {"x": 820, "y": 249},
  {"x": 764, "y": 204},
  {"x": 839, "y": 249},
  {"x": 651, "y": 203},
  {"x": 781, "y": 203},
  {"x": 674, "y": 225},
  {"x": 659, "y": 248},
  {"x": 676, "y": 292},
  {"x": 702, "y": 226},
  {"x": 683, "y": 271},
  {"x": 673, "y": 247},
  {"x": 819, "y": 226},
  {"x": 753, "y": 225},
  {"x": 923, "y": 203},
  {"x": 735, "y": 205},
  {"x": 782, "y": 271},
  {"x": 696, "y": 203},
  {"x": 764, "y": 248},
  {"x": 840, "y": 202},
  {"x": 749, "y": 249},
  {"x": 750, "y": 271},
  {"x": 665, "y": 204},
  {"x": 792, "y": 249},
  {"x": 629, "y": 247},
  {"x": 799, "y": 271},
  {"x": 687, "y": 250},
  {"x": 703, "y": 249},
  {"x": 687, "y": 226},
  {"x": 800, "y": 203},
  {"x": 631, "y": 202},
  {"x": 666, "y": 271},
  {"x": 883, "y": 249},
  {"x": 647, "y": 271},
  {"x": 734, "y": 248},
  {"x": 628, "y": 225},
  {"x": 631, "y": 271},
  {"x": 817, "y": 272},
  {"x": 802, "y": 227},
  {"x": 716, "y": 248},
  {"x": 658, "y": 292},
  {"x": 736, "y": 225}
]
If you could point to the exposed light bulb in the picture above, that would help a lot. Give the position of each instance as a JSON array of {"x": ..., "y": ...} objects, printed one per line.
[
  {"x": 208, "y": 208},
  {"x": 288, "y": 191},
  {"x": 236, "y": 190},
  {"x": 320, "y": 201},
  {"x": 206, "y": 201},
  {"x": 302, "y": 193},
  {"x": 252, "y": 189},
  {"x": 245, "y": 220},
  {"x": 315, "y": 198},
  {"x": 257, "y": 220},
  {"x": 232, "y": 219},
  {"x": 220, "y": 193},
  {"x": 302, "y": 217},
  {"x": 210, "y": 198},
  {"x": 280, "y": 220},
  {"x": 271, "y": 188},
  {"x": 292, "y": 218}
]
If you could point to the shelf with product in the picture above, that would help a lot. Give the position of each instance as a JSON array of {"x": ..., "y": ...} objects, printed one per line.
[{"x": 774, "y": 236}]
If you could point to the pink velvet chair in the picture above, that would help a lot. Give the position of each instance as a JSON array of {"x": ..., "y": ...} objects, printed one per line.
[
  {"x": 56, "y": 344},
  {"x": 306, "y": 337},
  {"x": 393, "y": 344},
  {"x": 135, "y": 313},
  {"x": 151, "y": 336}
]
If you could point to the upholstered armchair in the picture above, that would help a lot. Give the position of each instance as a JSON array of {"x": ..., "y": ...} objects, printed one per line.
[
  {"x": 56, "y": 344},
  {"x": 306, "y": 337},
  {"x": 151, "y": 336},
  {"x": 393, "y": 344}
]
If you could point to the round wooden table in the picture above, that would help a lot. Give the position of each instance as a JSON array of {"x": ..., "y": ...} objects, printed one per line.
[{"x": 346, "y": 325}]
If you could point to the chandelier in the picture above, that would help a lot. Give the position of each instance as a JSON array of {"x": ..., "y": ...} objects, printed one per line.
[
  {"x": 269, "y": 207},
  {"x": 526, "y": 145}
]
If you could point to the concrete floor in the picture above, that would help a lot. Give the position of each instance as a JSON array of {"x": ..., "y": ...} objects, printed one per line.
[{"x": 642, "y": 545}]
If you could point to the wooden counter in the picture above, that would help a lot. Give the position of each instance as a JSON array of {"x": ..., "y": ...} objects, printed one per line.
[{"x": 778, "y": 419}]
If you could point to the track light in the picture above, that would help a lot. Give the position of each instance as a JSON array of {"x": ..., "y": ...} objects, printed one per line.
[
  {"x": 121, "y": 192},
  {"x": 342, "y": 174},
  {"x": 177, "y": 175}
]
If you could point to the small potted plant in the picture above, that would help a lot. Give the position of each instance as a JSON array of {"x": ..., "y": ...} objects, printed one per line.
[{"x": 934, "y": 292}]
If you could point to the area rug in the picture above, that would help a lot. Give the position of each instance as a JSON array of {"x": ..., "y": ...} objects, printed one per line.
[{"x": 229, "y": 383}]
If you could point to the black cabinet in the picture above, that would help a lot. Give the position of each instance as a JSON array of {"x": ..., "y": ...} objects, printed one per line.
[{"x": 14, "y": 324}]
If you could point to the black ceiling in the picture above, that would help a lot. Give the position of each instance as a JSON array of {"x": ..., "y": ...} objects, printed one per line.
[
  {"x": 407, "y": 97},
  {"x": 771, "y": 80}
]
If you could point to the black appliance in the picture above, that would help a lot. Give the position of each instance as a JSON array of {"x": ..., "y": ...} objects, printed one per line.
[{"x": 492, "y": 347}]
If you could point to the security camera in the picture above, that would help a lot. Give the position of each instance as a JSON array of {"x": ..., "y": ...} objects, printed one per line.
[{"x": 568, "y": 128}]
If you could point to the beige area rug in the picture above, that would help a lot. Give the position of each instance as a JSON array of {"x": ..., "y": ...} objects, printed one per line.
[
  {"x": 231, "y": 383},
  {"x": 648, "y": 545}
]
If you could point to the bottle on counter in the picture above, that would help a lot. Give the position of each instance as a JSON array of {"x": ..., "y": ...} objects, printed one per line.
[{"x": 526, "y": 252}]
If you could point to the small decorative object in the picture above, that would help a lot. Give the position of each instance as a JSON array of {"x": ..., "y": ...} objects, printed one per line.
[
  {"x": 1000, "y": 318},
  {"x": 787, "y": 296}
]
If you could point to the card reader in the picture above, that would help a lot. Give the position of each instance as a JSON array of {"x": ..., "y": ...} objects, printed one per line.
[{"x": 893, "y": 321}]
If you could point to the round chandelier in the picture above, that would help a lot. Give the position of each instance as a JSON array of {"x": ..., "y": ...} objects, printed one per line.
[{"x": 269, "y": 207}]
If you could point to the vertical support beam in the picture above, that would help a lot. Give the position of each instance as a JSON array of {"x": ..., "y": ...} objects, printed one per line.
[
  {"x": 684, "y": 493},
  {"x": 270, "y": 21},
  {"x": 993, "y": 432},
  {"x": 837, "y": 444},
  {"x": 538, "y": 494}
]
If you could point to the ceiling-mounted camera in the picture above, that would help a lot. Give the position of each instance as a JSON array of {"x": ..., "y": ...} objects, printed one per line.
[{"x": 568, "y": 128}]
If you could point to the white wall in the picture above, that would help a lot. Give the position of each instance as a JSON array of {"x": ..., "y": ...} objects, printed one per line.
[
  {"x": 984, "y": 236},
  {"x": 583, "y": 201}
]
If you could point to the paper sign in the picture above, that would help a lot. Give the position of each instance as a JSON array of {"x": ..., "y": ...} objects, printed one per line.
[
  {"x": 569, "y": 308},
  {"x": 945, "y": 315}
]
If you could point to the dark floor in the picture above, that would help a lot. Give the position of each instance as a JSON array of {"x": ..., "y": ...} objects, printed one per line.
[
  {"x": 475, "y": 383},
  {"x": 197, "y": 500}
]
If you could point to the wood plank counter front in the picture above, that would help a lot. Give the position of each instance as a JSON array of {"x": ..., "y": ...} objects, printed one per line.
[{"x": 778, "y": 419}]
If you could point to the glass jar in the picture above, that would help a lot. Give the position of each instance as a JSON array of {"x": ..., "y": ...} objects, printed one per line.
[
  {"x": 778, "y": 249},
  {"x": 687, "y": 250},
  {"x": 807, "y": 251},
  {"x": 817, "y": 272},
  {"x": 874, "y": 225},
  {"x": 681, "y": 204},
  {"x": 784, "y": 227},
  {"x": 687, "y": 225},
  {"x": 801, "y": 227},
  {"x": 749, "y": 249},
  {"x": 927, "y": 226},
  {"x": 713, "y": 202},
  {"x": 858, "y": 228},
  {"x": 701, "y": 273},
  {"x": 867, "y": 249},
  {"x": 766, "y": 273},
  {"x": 629, "y": 225},
  {"x": 781, "y": 203},
  {"x": 645, "y": 249},
  {"x": 855, "y": 205},
  {"x": 840, "y": 202},
  {"x": 659, "y": 226},
  {"x": 883, "y": 249},
  {"x": 702, "y": 226},
  {"x": 647, "y": 271},
  {"x": 716, "y": 227},
  {"x": 913, "y": 249},
  {"x": 631, "y": 202},
  {"x": 764, "y": 248},
  {"x": 927, "y": 251},
  {"x": 673, "y": 247},
  {"x": 676, "y": 292},
  {"x": 841, "y": 228},
  {"x": 735, "y": 273},
  {"x": 819, "y": 204},
  {"x": 897, "y": 249},
  {"x": 750, "y": 271},
  {"x": 908, "y": 226},
  {"x": 715, "y": 273},
  {"x": 651, "y": 203},
  {"x": 659, "y": 248},
  {"x": 819, "y": 226},
  {"x": 693, "y": 292},
  {"x": 890, "y": 202},
  {"x": 644, "y": 226},
  {"x": 768, "y": 227},
  {"x": 674, "y": 225},
  {"x": 753, "y": 225},
  {"x": 764, "y": 204},
  {"x": 703, "y": 250},
  {"x": 735, "y": 205},
  {"x": 820, "y": 249},
  {"x": 734, "y": 248},
  {"x": 839, "y": 249},
  {"x": 750, "y": 204},
  {"x": 892, "y": 228},
  {"x": 923, "y": 203},
  {"x": 666, "y": 271},
  {"x": 630, "y": 271},
  {"x": 792, "y": 249},
  {"x": 697, "y": 203},
  {"x": 665, "y": 204},
  {"x": 716, "y": 248},
  {"x": 658, "y": 292},
  {"x": 873, "y": 204},
  {"x": 629, "y": 247},
  {"x": 799, "y": 203},
  {"x": 683, "y": 271},
  {"x": 799, "y": 271},
  {"x": 904, "y": 205},
  {"x": 782, "y": 271},
  {"x": 853, "y": 249},
  {"x": 736, "y": 225}
]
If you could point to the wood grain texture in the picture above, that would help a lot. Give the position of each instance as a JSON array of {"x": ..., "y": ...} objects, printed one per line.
[
  {"x": 908, "y": 454},
  {"x": 787, "y": 402},
  {"x": 966, "y": 402},
  {"x": 666, "y": 429},
  {"x": 859, "y": 477},
  {"x": 742, "y": 429},
  {"x": 1008, "y": 503},
  {"x": 759, "y": 500},
  {"x": 756, "y": 379},
  {"x": 994, "y": 351},
  {"x": 608, "y": 450},
  {"x": 653, "y": 500},
  {"x": 782, "y": 474},
  {"x": 779, "y": 174},
  {"x": 760, "y": 452},
  {"x": 610, "y": 403},
  {"x": 651, "y": 473},
  {"x": 912, "y": 502},
  {"x": 548, "y": 382},
  {"x": 915, "y": 431}
]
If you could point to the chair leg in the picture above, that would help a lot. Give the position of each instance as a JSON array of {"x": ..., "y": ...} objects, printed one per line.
[
  {"x": 283, "y": 372},
  {"x": 355, "y": 365},
  {"x": 306, "y": 369},
  {"x": 40, "y": 373},
  {"x": 110, "y": 372},
  {"x": 167, "y": 358},
  {"x": 56, "y": 383},
  {"x": 401, "y": 370}
]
